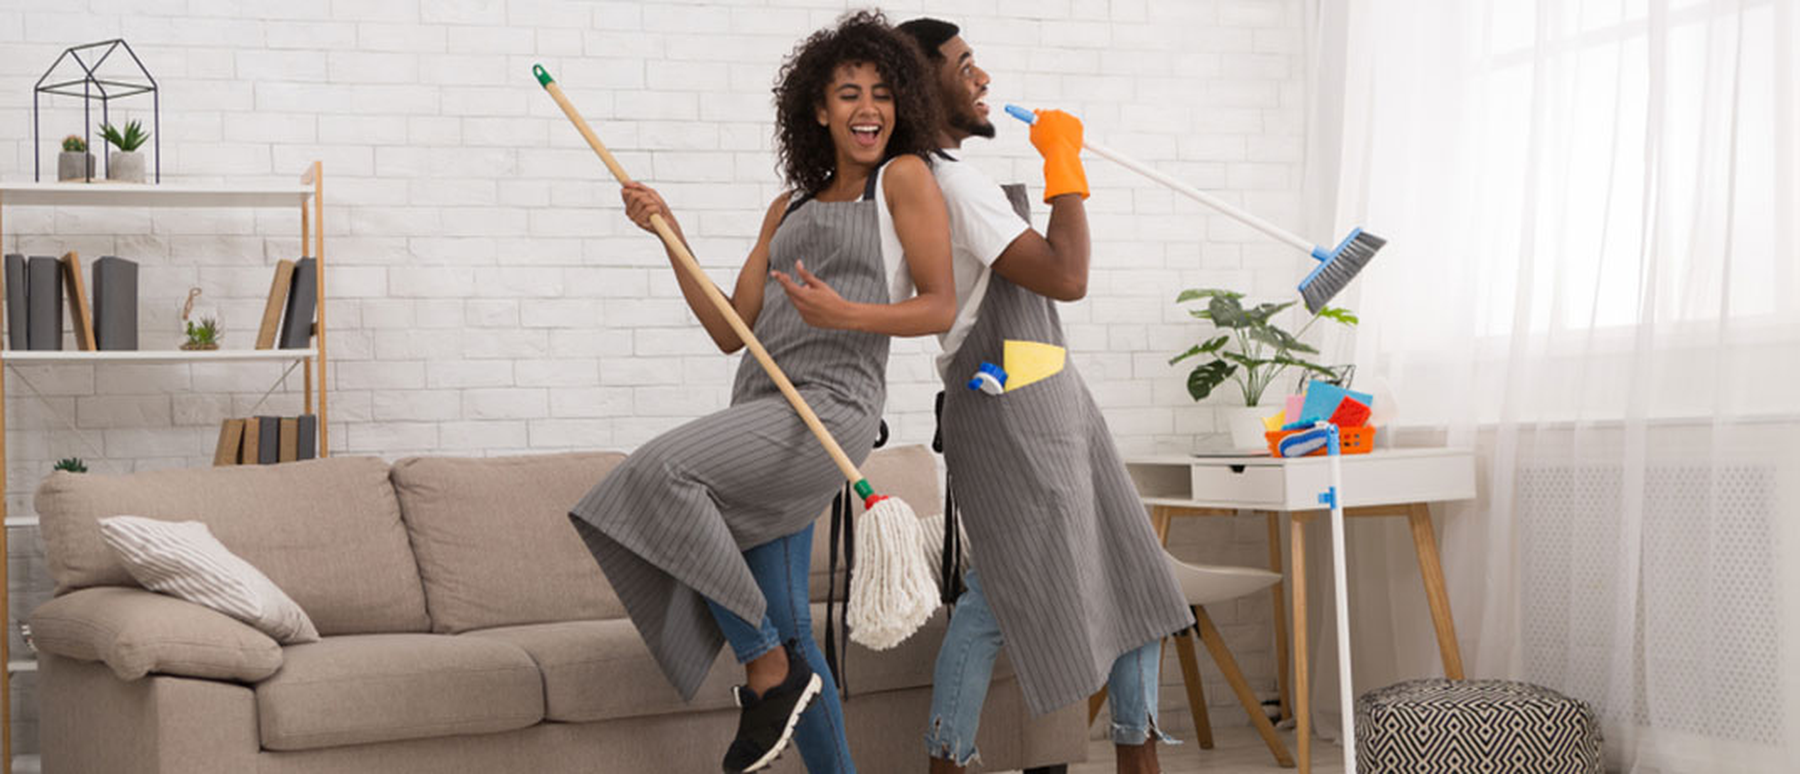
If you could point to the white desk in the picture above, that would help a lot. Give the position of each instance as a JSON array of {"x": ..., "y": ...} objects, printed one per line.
[{"x": 1395, "y": 482}]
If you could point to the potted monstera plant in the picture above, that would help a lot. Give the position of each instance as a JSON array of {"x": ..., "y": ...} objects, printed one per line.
[
  {"x": 1250, "y": 351},
  {"x": 125, "y": 165}
]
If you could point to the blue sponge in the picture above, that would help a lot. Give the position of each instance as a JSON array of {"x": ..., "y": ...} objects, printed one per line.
[{"x": 1322, "y": 400}]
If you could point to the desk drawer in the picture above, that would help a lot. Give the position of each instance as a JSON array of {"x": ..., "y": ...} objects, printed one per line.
[{"x": 1246, "y": 485}]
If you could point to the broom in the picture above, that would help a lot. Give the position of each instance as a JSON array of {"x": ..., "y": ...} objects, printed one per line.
[
  {"x": 1336, "y": 266},
  {"x": 892, "y": 594}
]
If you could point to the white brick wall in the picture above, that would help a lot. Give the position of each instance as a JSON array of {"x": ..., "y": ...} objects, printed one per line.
[{"x": 487, "y": 294}]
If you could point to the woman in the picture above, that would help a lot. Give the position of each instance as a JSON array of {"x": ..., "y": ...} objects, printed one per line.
[{"x": 705, "y": 531}]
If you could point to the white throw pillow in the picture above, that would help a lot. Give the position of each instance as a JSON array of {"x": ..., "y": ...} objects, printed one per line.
[{"x": 184, "y": 560}]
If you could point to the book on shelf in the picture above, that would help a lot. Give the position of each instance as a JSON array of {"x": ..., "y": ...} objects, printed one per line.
[
  {"x": 231, "y": 442},
  {"x": 302, "y": 306},
  {"x": 268, "y": 441},
  {"x": 272, "y": 309},
  {"x": 290, "y": 440},
  {"x": 79, "y": 315},
  {"x": 43, "y": 299},
  {"x": 307, "y": 437},
  {"x": 115, "y": 304},
  {"x": 249, "y": 451},
  {"x": 15, "y": 302}
]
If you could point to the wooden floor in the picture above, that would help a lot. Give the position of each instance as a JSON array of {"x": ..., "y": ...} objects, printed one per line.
[{"x": 1236, "y": 750}]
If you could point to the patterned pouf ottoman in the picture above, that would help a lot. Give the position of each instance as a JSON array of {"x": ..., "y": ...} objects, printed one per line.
[{"x": 1488, "y": 726}]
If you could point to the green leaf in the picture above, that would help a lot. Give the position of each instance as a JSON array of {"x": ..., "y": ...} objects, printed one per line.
[
  {"x": 1339, "y": 314},
  {"x": 1202, "y": 314},
  {"x": 1281, "y": 340},
  {"x": 1263, "y": 312},
  {"x": 1193, "y": 293},
  {"x": 1207, "y": 377},
  {"x": 1245, "y": 360},
  {"x": 1201, "y": 349},
  {"x": 1227, "y": 312}
]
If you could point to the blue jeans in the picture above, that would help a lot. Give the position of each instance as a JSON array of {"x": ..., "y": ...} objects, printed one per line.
[
  {"x": 780, "y": 567},
  {"x": 965, "y": 665}
]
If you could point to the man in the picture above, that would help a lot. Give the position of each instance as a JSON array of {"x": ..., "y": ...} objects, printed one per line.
[{"x": 1068, "y": 575}]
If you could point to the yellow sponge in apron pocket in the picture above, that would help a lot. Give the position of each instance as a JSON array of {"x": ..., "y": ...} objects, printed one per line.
[{"x": 1031, "y": 361}]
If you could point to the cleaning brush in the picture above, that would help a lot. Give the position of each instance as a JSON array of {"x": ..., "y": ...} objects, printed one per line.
[
  {"x": 892, "y": 593},
  {"x": 1336, "y": 266}
]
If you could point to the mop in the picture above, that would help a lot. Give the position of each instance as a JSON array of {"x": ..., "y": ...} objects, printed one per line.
[
  {"x": 892, "y": 593},
  {"x": 1336, "y": 266}
]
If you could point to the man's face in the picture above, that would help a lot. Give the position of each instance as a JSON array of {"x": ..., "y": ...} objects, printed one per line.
[{"x": 964, "y": 88}]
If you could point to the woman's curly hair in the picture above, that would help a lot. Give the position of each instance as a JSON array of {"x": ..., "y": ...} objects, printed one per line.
[{"x": 807, "y": 159}]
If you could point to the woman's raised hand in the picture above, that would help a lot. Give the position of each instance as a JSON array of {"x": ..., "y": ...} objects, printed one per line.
[{"x": 641, "y": 201}]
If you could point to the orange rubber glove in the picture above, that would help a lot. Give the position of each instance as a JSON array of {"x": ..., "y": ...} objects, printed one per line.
[{"x": 1057, "y": 137}]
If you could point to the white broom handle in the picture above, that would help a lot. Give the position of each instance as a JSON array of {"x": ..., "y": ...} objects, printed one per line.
[
  {"x": 1346, "y": 696},
  {"x": 1200, "y": 196}
]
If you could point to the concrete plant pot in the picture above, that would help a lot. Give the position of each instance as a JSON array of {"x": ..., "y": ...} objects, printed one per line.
[
  {"x": 125, "y": 167},
  {"x": 74, "y": 165}
]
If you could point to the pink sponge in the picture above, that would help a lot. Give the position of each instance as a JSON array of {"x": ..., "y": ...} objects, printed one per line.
[{"x": 1350, "y": 413}]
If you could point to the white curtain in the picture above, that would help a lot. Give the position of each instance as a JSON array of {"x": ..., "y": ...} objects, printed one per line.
[{"x": 1592, "y": 280}]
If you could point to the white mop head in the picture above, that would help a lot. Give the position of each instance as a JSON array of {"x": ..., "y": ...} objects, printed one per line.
[{"x": 891, "y": 591}]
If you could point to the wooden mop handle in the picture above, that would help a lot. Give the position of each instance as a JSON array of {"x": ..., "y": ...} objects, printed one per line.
[{"x": 692, "y": 266}]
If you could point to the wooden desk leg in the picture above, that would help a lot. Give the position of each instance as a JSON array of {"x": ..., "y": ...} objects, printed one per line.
[
  {"x": 1432, "y": 571},
  {"x": 1277, "y": 596},
  {"x": 1302, "y": 698},
  {"x": 1160, "y": 516}
]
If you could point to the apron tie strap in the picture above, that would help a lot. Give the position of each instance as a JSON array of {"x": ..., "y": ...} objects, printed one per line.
[{"x": 950, "y": 569}]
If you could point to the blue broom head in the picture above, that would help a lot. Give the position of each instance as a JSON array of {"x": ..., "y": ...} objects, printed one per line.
[{"x": 1337, "y": 267}]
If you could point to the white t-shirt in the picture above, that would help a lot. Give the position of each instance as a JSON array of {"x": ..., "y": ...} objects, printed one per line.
[{"x": 982, "y": 224}]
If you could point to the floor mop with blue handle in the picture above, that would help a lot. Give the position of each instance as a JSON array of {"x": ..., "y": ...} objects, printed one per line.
[{"x": 1336, "y": 266}]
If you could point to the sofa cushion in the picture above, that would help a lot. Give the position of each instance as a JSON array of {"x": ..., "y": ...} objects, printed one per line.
[
  {"x": 326, "y": 531},
  {"x": 909, "y": 473},
  {"x": 494, "y": 542},
  {"x": 136, "y": 632},
  {"x": 601, "y": 670},
  {"x": 356, "y": 689}
]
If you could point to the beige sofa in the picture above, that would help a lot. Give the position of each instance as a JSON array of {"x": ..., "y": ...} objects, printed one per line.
[{"x": 465, "y": 629}]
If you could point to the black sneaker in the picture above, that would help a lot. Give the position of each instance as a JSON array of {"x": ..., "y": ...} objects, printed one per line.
[{"x": 766, "y": 724}]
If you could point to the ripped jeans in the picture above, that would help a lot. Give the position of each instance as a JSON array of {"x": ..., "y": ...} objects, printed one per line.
[{"x": 965, "y": 665}]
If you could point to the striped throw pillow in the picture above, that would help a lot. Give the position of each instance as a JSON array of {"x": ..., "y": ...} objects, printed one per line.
[{"x": 184, "y": 560}]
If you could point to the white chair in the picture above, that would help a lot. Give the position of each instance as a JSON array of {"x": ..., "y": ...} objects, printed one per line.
[{"x": 1204, "y": 585}]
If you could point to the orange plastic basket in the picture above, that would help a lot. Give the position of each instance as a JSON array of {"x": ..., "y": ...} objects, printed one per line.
[{"x": 1351, "y": 440}]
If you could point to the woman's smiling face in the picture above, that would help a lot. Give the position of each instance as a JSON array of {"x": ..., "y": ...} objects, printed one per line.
[{"x": 858, "y": 111}]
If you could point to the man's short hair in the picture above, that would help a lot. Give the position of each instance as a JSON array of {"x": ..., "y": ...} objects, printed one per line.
[{"x": 930, "y": 34}]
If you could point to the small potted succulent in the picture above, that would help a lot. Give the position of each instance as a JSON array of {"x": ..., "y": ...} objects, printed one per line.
[
  {"x": 75, "y": 162},
  {"x": 125, "y": 165},
  {"x": 203, "y": 335},
  {"x": 71, "y": 464}
]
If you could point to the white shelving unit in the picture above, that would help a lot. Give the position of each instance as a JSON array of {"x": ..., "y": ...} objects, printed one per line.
[{"x": 308, "y": 196}]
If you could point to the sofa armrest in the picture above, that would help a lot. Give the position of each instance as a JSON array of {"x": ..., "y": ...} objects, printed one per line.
[{"x": 136, "y": 632}]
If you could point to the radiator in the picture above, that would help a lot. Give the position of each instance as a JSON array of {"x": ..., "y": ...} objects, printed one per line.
[{"x": 1706, "y": 652}]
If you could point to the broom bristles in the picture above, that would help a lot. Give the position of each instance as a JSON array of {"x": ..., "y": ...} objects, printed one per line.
[
  {"x": 891, "y": 592},
  {"x": 1334, "y": 274}
]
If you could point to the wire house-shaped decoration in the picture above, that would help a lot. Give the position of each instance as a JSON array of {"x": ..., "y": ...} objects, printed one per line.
[{"x": 91, "y": 85}]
